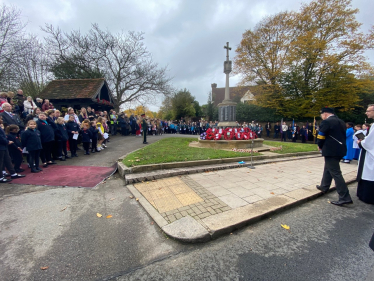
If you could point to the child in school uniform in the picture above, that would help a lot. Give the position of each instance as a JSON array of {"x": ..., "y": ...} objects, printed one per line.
[
  {"x": 95, "y": 132},
  {"x": 15, "y": 149},
  {"x": 73, "y": 128},
  {"x": 61, "y": 139},
  {"x": 31, "y": 141},
  {"x": 86, "y": 135},
  {"x": 47, "y": 136}
]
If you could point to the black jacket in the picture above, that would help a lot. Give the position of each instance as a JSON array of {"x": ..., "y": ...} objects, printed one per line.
[
  {"x": 61, "y": 133},
  {"x": 47, "y": 133},
  {"x": 31, "y": 140},
  {"x": 94, "y": 132},
  {"x": 86, "y": 135},
  {"x": 3, "y": 140},
  {"x": 72, "y": 126},
  {"x": 15, "y": 120},
  {"x": 16, "y": 142},
  {"x": 331, "y": 137}
]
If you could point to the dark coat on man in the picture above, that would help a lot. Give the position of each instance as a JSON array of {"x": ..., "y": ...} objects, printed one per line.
[
  {"x": 31, "y": 139},
  {"x": 331, "y": 137},
  {"x": 47, "y": 133},
  {"x": 14, "y": 120}
]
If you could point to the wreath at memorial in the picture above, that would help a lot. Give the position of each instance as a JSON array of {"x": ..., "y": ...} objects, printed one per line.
[
  {"x": 203, "y": 136},
  {"x": 217, "y": 136},
  {"x": 210, "y": 135},
  {"x": 228, "y": 134},
  {"x": 239, "y": 136}
]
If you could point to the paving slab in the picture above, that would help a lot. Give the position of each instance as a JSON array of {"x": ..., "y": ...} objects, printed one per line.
[{"x": 203, "y": 206}]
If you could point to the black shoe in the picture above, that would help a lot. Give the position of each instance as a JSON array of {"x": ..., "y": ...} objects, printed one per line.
[
  {"x": 38, "y": 168},
  {"x": 78, "y": 148},
  {"x": 92, "y": 151},
  {"x": 67, "y": 157},
  {"x": 320, "y": 188},
  {"x": 75, "y": 155},
  {"x": 145, "y": 142},
  {"x": 6, "y": 175},
  {"x": 4, "y": 180},
  {"x": 20, "y": 170},
  {"x": 34, "y": 171},
  {"x": 45, "y": 165},
  {"x": 62, "y": 159},
  {"x": 17, "y": 176},
  {"x": 341, "y": 203},
  {"x": 51, "y": 163},
  {"x": 86, "y": 153}
]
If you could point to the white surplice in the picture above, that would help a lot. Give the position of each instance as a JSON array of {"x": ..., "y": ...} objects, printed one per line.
[{"x": 368, "y": 145}]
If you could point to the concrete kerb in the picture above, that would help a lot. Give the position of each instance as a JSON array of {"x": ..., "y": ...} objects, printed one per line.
[
  {"x": 124, "y": 170},
  {"x": 190, "y": 230}
]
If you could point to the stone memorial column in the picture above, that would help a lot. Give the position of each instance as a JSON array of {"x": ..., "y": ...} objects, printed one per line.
[{"x": 227, "y": 109}]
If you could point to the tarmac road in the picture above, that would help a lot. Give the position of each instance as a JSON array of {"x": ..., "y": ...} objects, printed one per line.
[{"x": 58, "y": 228}]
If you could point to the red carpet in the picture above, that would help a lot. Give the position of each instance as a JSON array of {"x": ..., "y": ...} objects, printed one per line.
[{"x": 74, "y": 176}]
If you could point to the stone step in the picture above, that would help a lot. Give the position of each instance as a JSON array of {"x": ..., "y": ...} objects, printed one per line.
[{"x": 159, "y": 174}]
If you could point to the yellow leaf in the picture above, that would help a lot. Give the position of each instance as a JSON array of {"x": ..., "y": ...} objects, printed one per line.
[
  {"x": 137, "y": 199},
  {"x": 109, "y": 216},
  {"x": 99, "y": 215},
  {"x": 63, "y": 209},
  {"x": 285, "y": 226},
  {"x": 44, "y": 267},
  {"x": 271, "y": 192},
  {"x": 111, "y": 199}
]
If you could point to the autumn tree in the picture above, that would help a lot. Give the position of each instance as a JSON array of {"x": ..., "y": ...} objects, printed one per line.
[{"x": 307, "y": 59}]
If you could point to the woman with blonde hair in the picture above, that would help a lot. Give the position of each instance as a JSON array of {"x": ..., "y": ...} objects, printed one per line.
[{"x": 83, "y": 115}]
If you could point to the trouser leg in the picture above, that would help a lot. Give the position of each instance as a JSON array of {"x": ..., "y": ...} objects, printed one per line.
[
  {"x": 333, "y": 167},
  {"x": 59, "y": 149},
  {"x": 7, "y": 162},
  {"x": 32, "y": 158},
  {"x": 47, "y": 147},
  {"x": 17, "y": 159}
]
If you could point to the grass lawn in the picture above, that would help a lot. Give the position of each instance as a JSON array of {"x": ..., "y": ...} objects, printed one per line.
[
  {"x": 176, "y": 150},
  {"x": 292, "y": 147}
]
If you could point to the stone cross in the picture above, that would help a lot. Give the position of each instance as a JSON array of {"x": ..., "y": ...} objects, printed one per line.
[{"x": 228, "y": 49}]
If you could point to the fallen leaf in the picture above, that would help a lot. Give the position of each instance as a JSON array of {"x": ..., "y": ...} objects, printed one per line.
[
  {"x": 99, "y": 215},
  {"x": 152, "y": 223},
  {"x": 137, "y": 199},
  {"x": 285, "y": 226},
  {"x": 111, "y": 199},
  {"x": 137, "y": 160},
  {"x": 109, "y": 216},
  {"x": 147, "y": 182},
  {"x": 272, "y": 193},
  {"x": 63, "y": 209},
  {"x": 275, "y": 177},
  {"x": 131, "y": 197},
  {"x": 44, "y": 267},
  {"x": 309, "y": 171}
]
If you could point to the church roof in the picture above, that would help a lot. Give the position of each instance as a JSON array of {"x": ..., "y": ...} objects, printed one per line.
[
  {"x": 218, "y": 94},
  {"x": 74, "y": 89}
]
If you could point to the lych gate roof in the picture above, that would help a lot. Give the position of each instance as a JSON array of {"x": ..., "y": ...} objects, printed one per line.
[{"x": 74, "y": 89}]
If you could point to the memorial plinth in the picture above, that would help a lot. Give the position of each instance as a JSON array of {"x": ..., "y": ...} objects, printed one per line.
[{"x": 230, "y": 144}]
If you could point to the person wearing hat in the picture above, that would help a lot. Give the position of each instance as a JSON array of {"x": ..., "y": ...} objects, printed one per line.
[
  {"x": 331, "y": 141},
  {"x": 145, "y": 129}
]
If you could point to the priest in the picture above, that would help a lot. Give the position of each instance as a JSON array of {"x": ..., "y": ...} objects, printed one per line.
[{"x": 365, "y": 175}]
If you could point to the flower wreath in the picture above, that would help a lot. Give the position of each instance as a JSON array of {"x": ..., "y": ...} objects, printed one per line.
[
  {"x": 239, "y": 136},
  {"x": 217, "y": 136},
  {"x": 228, "y": 134},
  {"x": 209, "y": 136}
]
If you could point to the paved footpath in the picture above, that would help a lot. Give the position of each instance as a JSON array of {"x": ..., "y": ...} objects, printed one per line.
[{"x": 201, "y": 206}]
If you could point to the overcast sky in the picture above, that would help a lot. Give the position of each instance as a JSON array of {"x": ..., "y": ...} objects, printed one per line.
[{"x": 186, "y": 35}]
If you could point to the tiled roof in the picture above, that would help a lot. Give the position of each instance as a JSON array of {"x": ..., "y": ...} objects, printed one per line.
[
  {"x": 73, "y": 89},
  {"x": 219, "y": 93}
]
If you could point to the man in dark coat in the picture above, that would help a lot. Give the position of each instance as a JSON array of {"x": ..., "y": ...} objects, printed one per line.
[
  {"x": 10, "y": 118},
  {"x": 145, "y": 129},
  {"x": 331, "y": 140}
]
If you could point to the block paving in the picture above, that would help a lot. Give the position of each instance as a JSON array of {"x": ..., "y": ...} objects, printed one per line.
[{"x": 209, "y": 193}]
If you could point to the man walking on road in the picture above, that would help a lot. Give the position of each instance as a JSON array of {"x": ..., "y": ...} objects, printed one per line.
[{"x": 331, "y": 140}]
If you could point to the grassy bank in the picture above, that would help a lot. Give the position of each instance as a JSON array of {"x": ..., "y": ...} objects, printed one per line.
[
  {"x": 291, "y": 147},
  {"x": 176, "y": 150}
]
